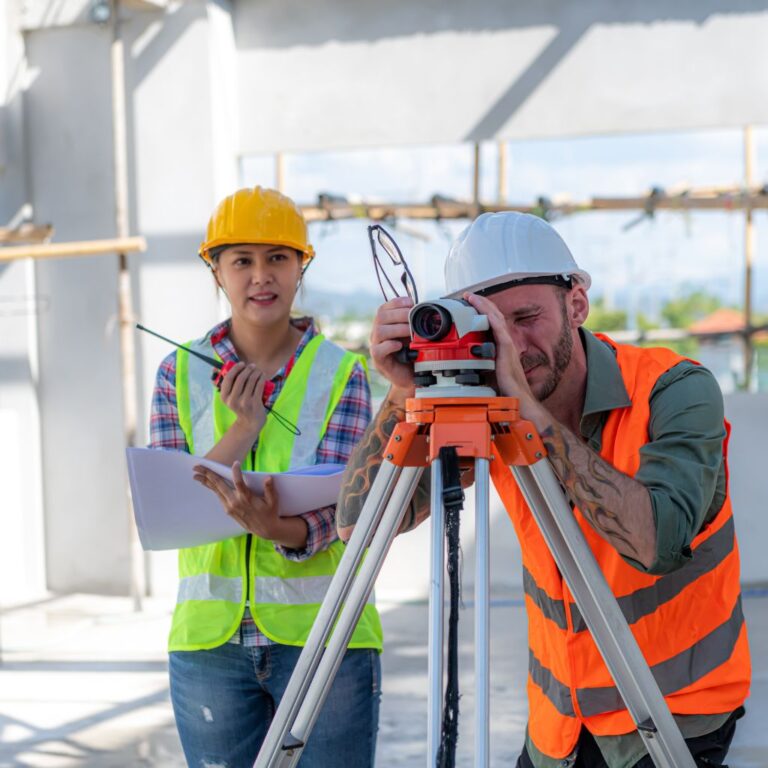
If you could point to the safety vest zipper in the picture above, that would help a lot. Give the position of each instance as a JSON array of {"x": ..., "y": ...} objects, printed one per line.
[{"x": 248, "y": 543}]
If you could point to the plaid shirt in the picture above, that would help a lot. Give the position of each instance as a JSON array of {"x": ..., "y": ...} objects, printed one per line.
[{"x": 345, "y": 428}]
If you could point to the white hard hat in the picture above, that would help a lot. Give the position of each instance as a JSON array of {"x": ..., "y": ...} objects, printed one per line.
[{"x": 500, "y": 248}]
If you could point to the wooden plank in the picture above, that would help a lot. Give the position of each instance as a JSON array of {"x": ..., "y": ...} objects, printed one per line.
[
  {"x": 26, "y": 233},
  {"x": 76, "y": 248},
  {"x": 680, "y": 334},
  {"x": 691, "y": 202},
  {"x": 752, "y": 199}
]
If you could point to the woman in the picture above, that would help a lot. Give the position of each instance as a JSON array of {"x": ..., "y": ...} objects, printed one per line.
[{"x": 245, "y": 605}]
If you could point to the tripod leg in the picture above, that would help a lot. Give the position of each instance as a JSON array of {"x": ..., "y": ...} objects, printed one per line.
[
  {"x": 361, "y": 588},
  {"x": 373, "y": 509},
  {"x": 482, "y": 614},
  {"x": 601, "y": 612},
  {"x": 436, "y": 615}
]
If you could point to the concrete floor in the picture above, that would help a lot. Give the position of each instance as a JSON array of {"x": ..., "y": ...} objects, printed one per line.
[{"x": 83, "y": 683}]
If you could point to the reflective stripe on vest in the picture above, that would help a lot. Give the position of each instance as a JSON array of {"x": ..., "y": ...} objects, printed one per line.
[
  {"x": 207, "y": 587},
  {"x": 285, "y": 594},
  {"x": 268, "y": 589},
  {"x": 294, "y": 591},
  {"x": 671, "y": 675},
  {"x": 558, "y": 693},
  {"x": 312, "y": 419},
  {"x": 643, "y": 601},
  {"x": 309, "y": 413},
  {"x": 676, "y": 673},
  {"x": 688, "y": 623}
]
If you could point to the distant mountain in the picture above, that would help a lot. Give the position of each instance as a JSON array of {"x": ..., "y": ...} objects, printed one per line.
[
  {"x": 648, "y": 297},
  {"x": 335, "y": 304}
]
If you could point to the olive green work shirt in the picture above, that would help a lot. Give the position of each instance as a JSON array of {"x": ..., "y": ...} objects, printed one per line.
[{"x": 682, "y": 467}]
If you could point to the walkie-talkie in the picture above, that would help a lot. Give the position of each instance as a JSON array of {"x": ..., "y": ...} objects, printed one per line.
[{"x": 221, "y": 369}]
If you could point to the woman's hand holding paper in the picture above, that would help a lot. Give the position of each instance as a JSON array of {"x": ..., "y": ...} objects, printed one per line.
[{"x": 255, "y": 513}]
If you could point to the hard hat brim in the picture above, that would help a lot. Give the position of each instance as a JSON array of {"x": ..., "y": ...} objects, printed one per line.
[
  {"x": 522, "y": 278},
  {"x": 205, "y": 249}
]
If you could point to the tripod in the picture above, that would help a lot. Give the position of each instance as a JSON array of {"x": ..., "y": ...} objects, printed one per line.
[{"x": 481, "y": 429}]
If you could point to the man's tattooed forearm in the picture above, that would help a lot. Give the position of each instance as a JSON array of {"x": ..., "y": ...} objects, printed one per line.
[
  {"x": 363, "y": 465},
  {"x": 587, "y": 488},
  {"x": 599, "y": 470}
]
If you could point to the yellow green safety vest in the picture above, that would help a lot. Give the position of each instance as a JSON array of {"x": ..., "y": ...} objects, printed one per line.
[{"x": 216, "y": 580}]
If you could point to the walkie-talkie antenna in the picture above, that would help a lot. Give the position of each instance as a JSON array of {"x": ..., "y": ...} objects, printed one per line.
[{"x": 222, "y": 368}]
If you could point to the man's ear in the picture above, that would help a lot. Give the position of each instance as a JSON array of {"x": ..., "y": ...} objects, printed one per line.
[{"x": 579, "y": 302}]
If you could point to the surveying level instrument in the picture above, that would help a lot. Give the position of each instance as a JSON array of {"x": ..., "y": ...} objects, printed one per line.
[{"x": 449, "y": 418}]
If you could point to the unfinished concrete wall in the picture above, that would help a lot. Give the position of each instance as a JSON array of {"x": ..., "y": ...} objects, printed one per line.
[
  {"x": 13, "y": 79},
  {"x": 748, "y": 414},
  {"x": 69, "y": 132},
  {"x": 316, "y": 75},
  {"x": 181, "y": 160},
  {"x": 185, "y": 161},
  {"x": 287, "y": 75},
  {"x": 22, "y": 567}
]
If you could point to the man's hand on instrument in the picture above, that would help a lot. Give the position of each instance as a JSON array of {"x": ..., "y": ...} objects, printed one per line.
[
  {"x": 389, "y": 334},
  {"x": 510, "y": 376}
]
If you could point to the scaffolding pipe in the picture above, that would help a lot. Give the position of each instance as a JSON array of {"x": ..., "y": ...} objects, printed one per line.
[
  {"x": 137, "y": 575},
  {"x": 476, "y": 178},
  {"x": 280, "y": 172},
  {"x": 501, "y": 192},
  {"x": 749, "y": 253},
  {"x": 730, "y": 200},
  {"x": 73, "y": 249}
]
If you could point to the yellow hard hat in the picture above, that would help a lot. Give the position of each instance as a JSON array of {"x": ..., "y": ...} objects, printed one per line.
[{"x": 257, "y": 216}]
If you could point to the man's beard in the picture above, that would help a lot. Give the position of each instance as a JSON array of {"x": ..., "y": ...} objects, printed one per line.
[{"x": 562, "y": 356}]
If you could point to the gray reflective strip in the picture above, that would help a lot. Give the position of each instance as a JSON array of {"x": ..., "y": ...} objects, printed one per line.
[
  {"x": 551, "y": 608},
  {"x": 315, "y": 403},
  {"x": 553, "y": 689},
  {"x": 303, "y": 591},
  {"x": 201, "y": 399},
  {"x": 643, "y": 602},
  {"x": 676, "y": 673},
  {"x": 207, "y": 587}
]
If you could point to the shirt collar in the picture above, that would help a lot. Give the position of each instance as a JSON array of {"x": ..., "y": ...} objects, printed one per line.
[
  {"x": 224, "y": 347},
  {"x": 605, "y": 386}
]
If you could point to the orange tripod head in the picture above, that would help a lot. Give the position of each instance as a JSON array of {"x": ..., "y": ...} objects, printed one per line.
[{"x": 478, "y": 427}]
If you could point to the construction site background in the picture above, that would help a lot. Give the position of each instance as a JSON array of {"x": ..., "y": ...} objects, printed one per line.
[{"x": 137, "y": 117}]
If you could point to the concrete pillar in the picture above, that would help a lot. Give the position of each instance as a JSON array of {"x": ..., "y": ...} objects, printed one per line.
[
  {"x": 180, "y": 153},
  {"x": 185, "y": 161},
  {"x": 22, "y": 570}
]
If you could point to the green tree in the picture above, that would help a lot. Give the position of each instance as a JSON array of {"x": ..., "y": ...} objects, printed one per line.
[
  {"x": 603, "y": 319},
  {"x": 681, "y": 312}
]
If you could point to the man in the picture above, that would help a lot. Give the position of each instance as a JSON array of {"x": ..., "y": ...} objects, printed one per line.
[{"x": 638, "y": 440}]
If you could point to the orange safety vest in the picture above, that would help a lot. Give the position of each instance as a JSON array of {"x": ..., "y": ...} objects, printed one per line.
[{"x": 688, "y": 624}]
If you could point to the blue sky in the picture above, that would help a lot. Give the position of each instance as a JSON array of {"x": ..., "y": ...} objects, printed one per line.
[{"x": 637, "y": 269}]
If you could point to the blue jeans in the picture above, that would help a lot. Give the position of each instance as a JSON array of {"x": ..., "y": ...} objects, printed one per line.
[{"x": 224, "y": 700}]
